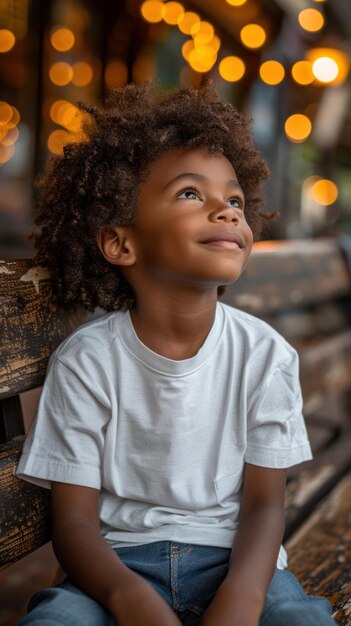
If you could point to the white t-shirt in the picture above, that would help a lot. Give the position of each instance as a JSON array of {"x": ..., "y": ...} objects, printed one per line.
[{"x": 165, "y": 441}]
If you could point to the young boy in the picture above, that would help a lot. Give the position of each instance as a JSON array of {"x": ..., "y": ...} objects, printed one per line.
[{"x": 165, "y": 427}]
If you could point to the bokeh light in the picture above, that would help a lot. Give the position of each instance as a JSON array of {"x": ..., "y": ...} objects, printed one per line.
[
  {"x": 187, "y": 21},
  {"x": 253, "y": 35},
  {"x": 62, "y": 39},
  {"x": 232, "y": 68},
  {"x": 152, "y": 11},
  {"x": 311, "y": 20},
  {"x": 297, "y": 127},
  {"x": 61, "y": 73},
  {"x": 329, "y": 65},
  {"x": 82, "y": 74},
  {"x": 236, "y": 3},
  {"x": 7, "y": 40},
  {"x": 272, "y": 72},
  {"x": 324, "y": 191},
  {"x": 5, "y": 113},
  {"x": 57, "y": 140},
  {"x": 202, "y": 32},
  {"x": 173, "y": 12},
  {"x": 302, "y": 72},
  {"x": 6, "y": 153}
]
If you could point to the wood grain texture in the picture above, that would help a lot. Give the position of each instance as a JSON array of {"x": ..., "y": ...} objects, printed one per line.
[
  {"x": 320, "y": 552},
  {"x": 24, "y": 510},
  {"x": 30, "y": 326}
]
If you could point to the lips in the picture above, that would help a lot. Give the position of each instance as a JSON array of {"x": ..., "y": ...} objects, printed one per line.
[{"x": 223, "y": 237}]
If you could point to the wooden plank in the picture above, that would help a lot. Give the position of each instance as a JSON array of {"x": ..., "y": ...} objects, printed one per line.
[
  {"x": 285, "y": 274},
  {"x": 30, "y": 326},
  {"x": 320, "y": 552},
  {"x": 24, "y": 510}
]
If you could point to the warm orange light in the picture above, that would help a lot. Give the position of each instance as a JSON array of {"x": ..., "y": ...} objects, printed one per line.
[
  {"x": 187, "y": 47},
  {"x": 82, "y": 74},
  {"x": 187, "y": 21},
  {"x": 311, "y": 20},
  {"x": 61, "y": 73},
  {"x": 201, "y": 62},
  {"x": 302, "y": 72},
  {"x": 232, "y": 68},
  {"x": 57, "y": 140},
  {"x": 66, "y": 114},
  {"x": 329, "y": 65},
  {"x": 7, "y": 40},
  {"x": 272, "y": 72},
  {"x": 62, "y": 39},
  {"x": 297, "y": 127},
  {"x": 5, "y": 113},
  {"x": 10, "y": 136},
  {"x": 173, "y": 12},
  {"x": 116, "y": 74},
  {"x": 215, "y": 43},
  {"x": 324, "y": 191},
  {"x": 152, "y": 11},
  {"x": 6, "y": 153},
  {"x": 56, "y": 108},
  {"x": 236, "y": 3},
  {"x": 202, "y": 33},
  {"x": 253, "y": 36}
]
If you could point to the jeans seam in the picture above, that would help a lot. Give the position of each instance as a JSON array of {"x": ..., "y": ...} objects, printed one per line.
[{"x": 173, "y": 560}]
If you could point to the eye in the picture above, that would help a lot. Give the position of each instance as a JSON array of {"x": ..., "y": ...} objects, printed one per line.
[
  {"x": 189, "y": 194},
  {"x": 236, "y": 203}
]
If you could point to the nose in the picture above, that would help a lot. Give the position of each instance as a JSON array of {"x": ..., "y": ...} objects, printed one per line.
[{"x": 225, "y": 213}]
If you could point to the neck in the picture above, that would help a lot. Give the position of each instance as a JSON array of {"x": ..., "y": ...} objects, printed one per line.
[{"x": 174, "y": 325}]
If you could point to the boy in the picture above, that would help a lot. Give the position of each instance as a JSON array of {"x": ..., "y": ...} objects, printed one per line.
[{"x": 166, "y": 426}]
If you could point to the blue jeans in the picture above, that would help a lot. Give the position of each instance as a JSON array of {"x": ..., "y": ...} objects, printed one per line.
[{"x": 187, "y": 577}]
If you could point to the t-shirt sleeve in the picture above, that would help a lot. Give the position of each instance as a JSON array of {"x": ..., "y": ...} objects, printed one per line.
[
  {"x": 277, "y": 435},
  {"x": 65, "y": 443}
]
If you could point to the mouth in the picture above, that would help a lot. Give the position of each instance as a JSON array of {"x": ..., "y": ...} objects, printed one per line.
[{"x": 230, "y": 241}]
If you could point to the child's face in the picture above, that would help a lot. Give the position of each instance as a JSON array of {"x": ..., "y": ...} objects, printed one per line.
[{"x": 190, "y": 225}]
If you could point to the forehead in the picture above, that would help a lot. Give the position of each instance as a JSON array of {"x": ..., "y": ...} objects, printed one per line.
[{"x": 197, "y": 161}]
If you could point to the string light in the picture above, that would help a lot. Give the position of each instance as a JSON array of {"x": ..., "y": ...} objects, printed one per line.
[
  {"x": 62, "y": 39},
  {"x": 152, "y": 11},
  {"x": 302, "y": 73},
  {"x": 61, "y": 73},
  {"x": 173, "y": 13},
  {"x": 311, "y": 20},
  {"x": 232, "y": 68},
  {"x": 272, "y": 72},
  {"x": 187, "y": 21},
  {"x": 324, "y": 191},
  {"x": 297, "y": 127},
  {"x": 253, "y": 36},
  {"x": 7, "y": 40}
]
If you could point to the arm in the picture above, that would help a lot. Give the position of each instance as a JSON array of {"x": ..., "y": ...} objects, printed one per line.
[
  {"x": 93, "y": 565},
  {"x": 239, "y": 600}
]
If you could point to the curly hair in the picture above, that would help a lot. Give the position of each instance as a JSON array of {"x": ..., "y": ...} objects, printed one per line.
[{"x": 95, "y": 182}]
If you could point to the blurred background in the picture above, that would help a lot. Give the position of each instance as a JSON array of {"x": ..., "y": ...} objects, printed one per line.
[{"x": 284, "y": 62}]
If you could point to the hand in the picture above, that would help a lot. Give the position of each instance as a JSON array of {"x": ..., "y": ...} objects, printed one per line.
[{"x": 140, "y": 605}]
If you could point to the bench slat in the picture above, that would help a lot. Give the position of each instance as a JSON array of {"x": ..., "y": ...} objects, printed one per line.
[
  {"x": 30, "y": 327},
  {"x": 320, "y": 552},
  {"x": 24, "y": 510}
]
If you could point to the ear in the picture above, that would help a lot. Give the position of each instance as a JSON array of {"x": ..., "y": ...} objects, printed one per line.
[{"x": 116, "y": 245}]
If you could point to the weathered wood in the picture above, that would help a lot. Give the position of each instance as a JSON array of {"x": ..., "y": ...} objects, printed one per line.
[
  {"x": 320, "y": 552},
  {"x": 285, "y": 274},
  {"x": 30, "y": 327},
  {"x": 24, "y": 510}
]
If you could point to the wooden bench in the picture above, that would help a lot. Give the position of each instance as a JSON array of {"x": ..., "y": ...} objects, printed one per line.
[{"x": 302, "y": 288}]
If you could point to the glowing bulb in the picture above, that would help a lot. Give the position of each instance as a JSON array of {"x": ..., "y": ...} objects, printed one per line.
[
  {"x": 7, "y": 40},
  {"x": 232, "y": 68},
  {"x": 311, "y": 20},
  {"x": 61, "y": 73},
  {"x": 324, "y": 191},
  {"x": 297, "y": 127},
  {"x": 253, "y": 36},
  {"x": 62, "y": 39},
  {"x": 272, "y": 72},
  {"x": 325, "y": 69},
  {"x": 302, "y": 72},
  {"x": 152, "y": 11}
]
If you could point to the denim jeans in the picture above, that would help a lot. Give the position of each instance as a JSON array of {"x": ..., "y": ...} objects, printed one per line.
[{"x": 187, "y": 577}]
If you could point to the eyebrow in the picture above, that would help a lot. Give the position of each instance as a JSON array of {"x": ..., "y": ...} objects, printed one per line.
[{"x": 231, "y": 182}]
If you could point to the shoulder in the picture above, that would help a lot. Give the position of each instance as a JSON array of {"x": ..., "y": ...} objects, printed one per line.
[
  {"x": 256, "y": 338},
  {"x": 95, "y": 337}
]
